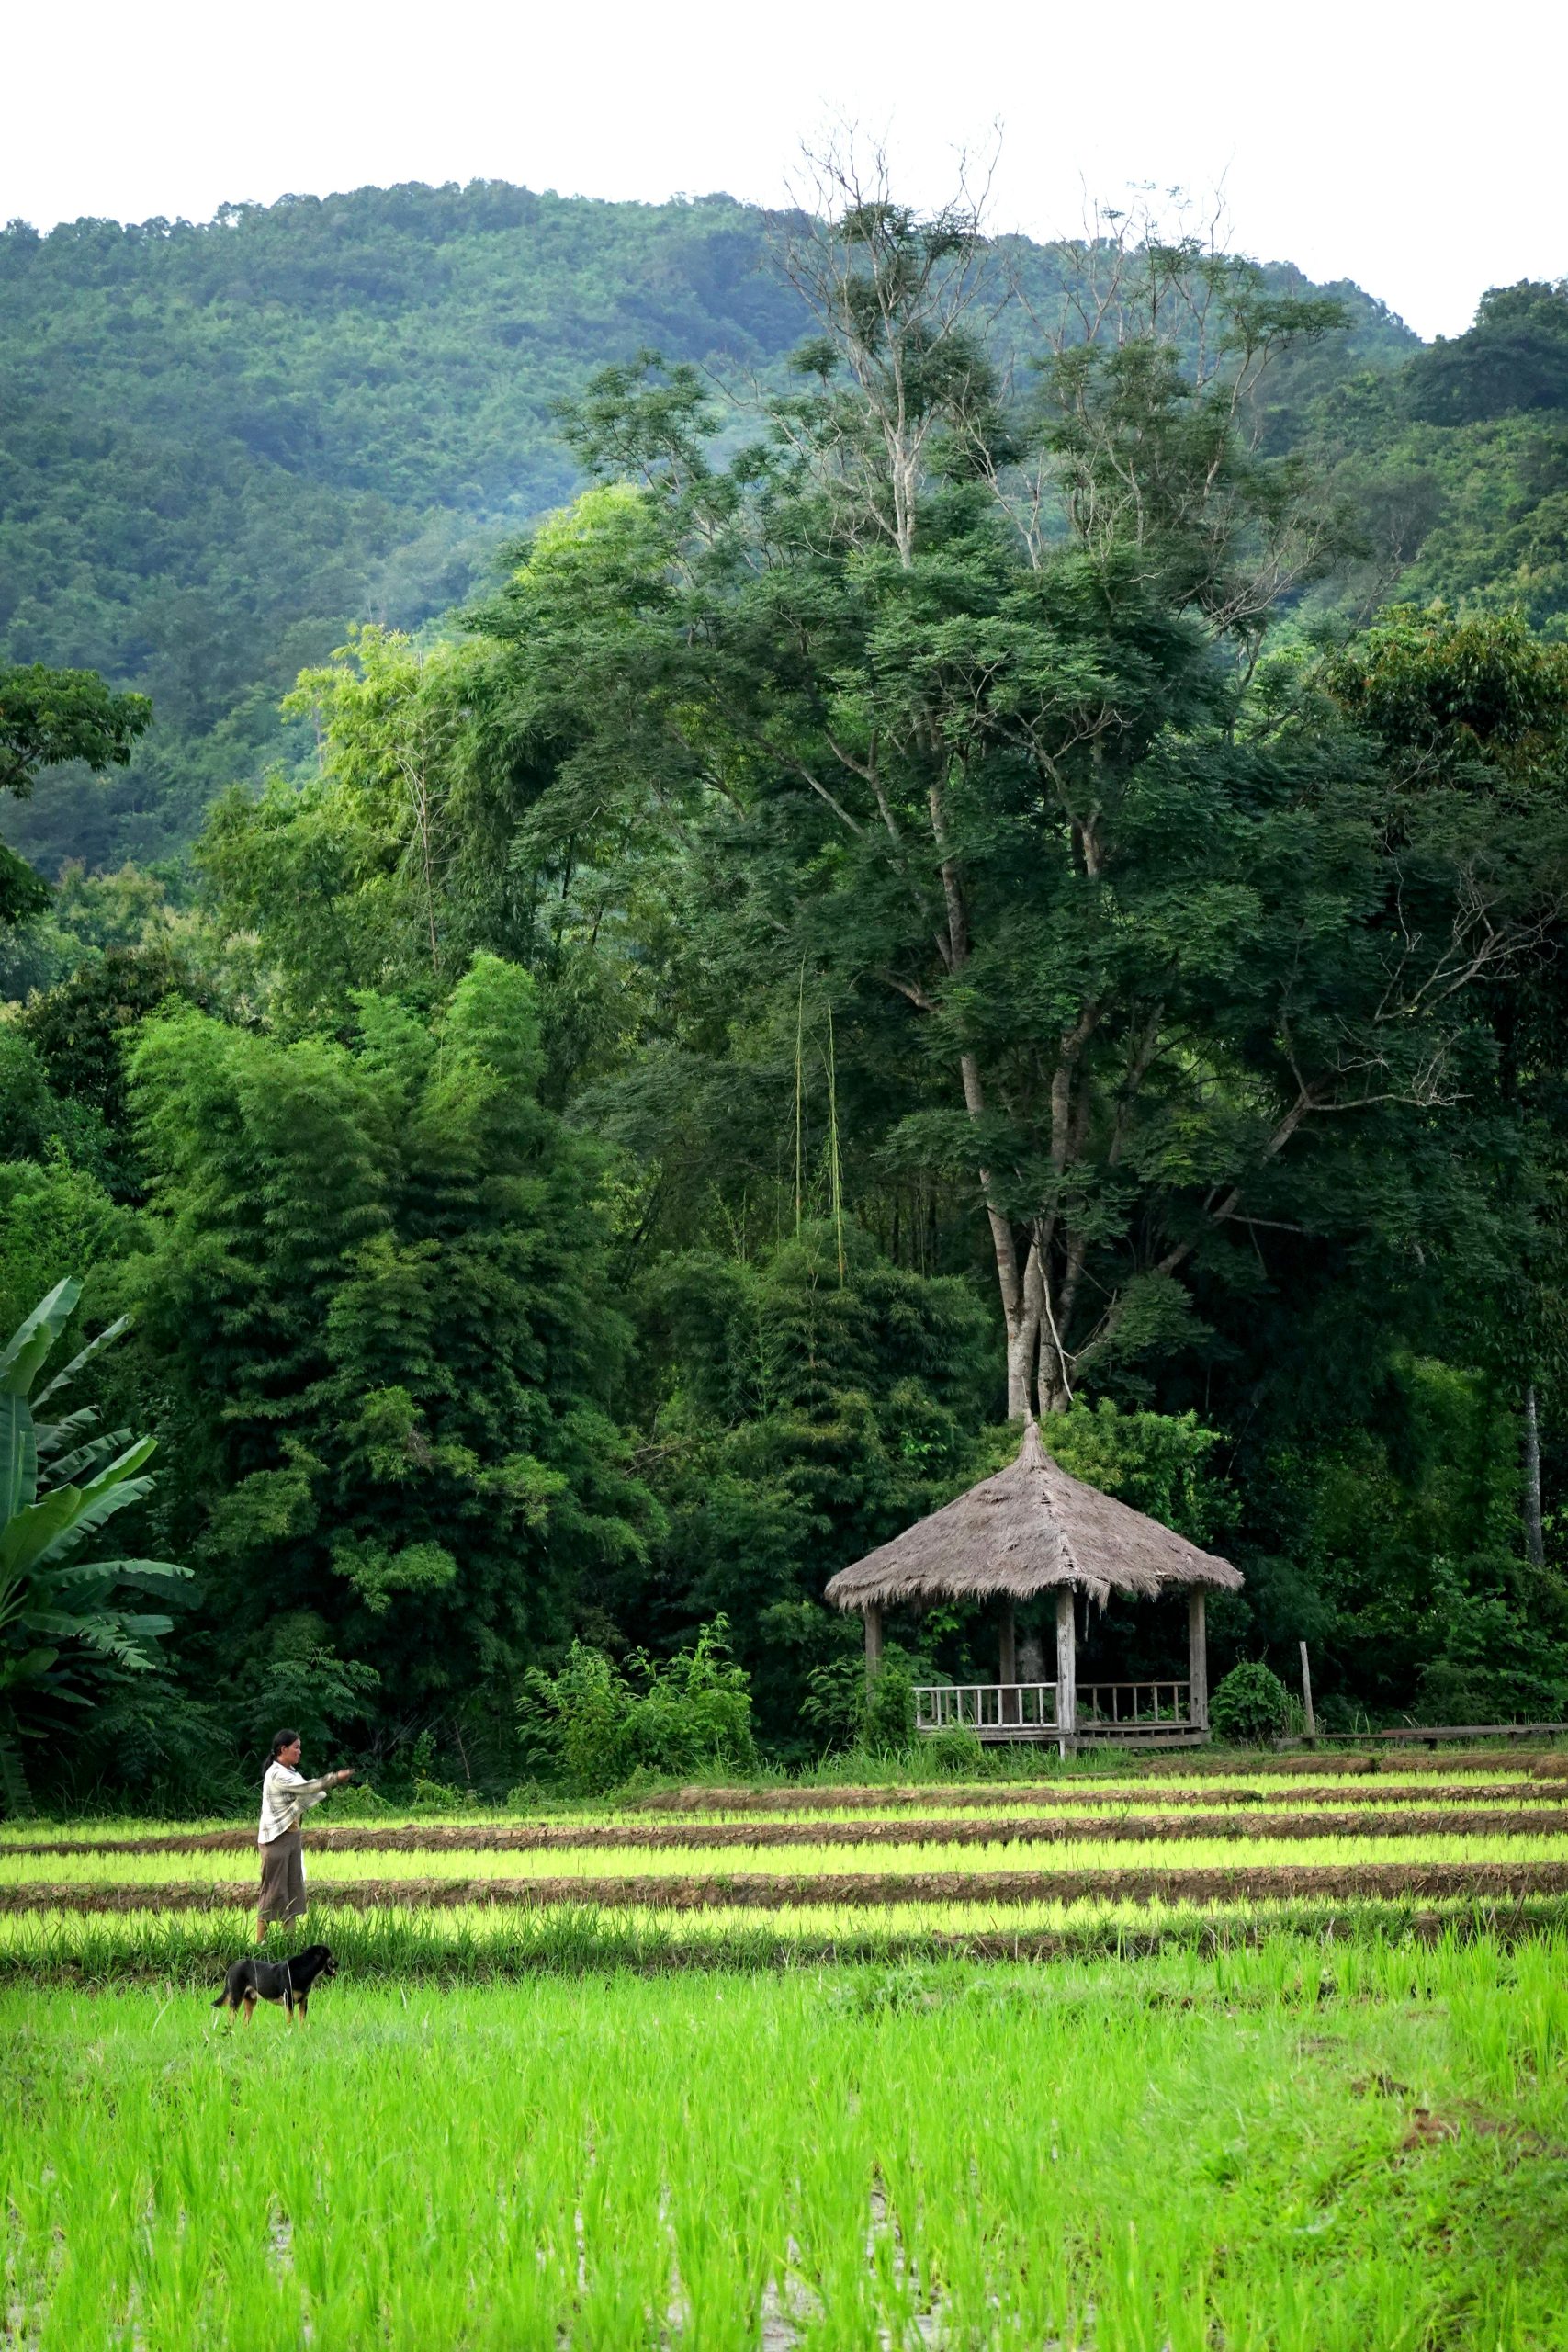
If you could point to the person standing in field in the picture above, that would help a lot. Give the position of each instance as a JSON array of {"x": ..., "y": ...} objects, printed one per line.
[{"x": 286, "y": 1798}]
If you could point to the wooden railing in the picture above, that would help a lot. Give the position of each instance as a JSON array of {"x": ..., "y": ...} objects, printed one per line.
[
  {"x": 1134, "y": 1704},
  {"x": 1032, "y": 1709},
  {"x": 1021, "y": 1707}
]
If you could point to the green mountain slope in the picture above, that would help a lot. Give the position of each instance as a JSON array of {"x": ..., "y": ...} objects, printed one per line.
[
  {"x": 220, "y": 444},
  {"x": 1459, "y": 463}
]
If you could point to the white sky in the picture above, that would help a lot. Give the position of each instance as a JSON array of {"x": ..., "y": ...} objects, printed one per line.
[{"x": 1417, "y": 148}]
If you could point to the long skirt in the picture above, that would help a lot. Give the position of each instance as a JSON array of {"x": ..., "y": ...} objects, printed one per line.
[{"x": 283, "y": 1878}]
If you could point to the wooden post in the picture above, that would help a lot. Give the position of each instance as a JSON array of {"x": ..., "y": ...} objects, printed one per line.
[
  {"x": 1306, "y": 1694},
  {"x": 1067, "y": 1665},
  {"x": 1197, "y": 1661},
  {"x": 872, "y": 1639}
]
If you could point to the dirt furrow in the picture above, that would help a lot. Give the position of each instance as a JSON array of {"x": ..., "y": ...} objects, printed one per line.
[
  {"x": 1338, "y": 1882},
  {"x": 1152, "y": 1778}
]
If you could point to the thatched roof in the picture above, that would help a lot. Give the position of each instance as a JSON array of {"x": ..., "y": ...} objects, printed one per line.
[{"x": 1029, "y": 1528}]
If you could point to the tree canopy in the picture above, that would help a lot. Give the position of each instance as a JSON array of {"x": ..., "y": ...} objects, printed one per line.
[
  {"x": 962, "y": 883},
  {"x": 224, "y": 441}
]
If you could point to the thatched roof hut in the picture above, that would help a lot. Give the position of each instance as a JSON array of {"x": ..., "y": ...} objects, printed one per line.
[{"x": 1029, "y": 1529}]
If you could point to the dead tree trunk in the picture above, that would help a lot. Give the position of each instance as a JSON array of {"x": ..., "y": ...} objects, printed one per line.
[{"x": 1535, "y": 1541}]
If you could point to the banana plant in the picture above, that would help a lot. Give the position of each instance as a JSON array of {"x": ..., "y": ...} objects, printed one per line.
[{"x": 63, "y": 1618}]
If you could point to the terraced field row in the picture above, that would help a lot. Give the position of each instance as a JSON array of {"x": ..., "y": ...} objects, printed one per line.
[
  {"x": 1511, "y": 1838},
  {"x": 1230, "y": 1847},
  {"x": 458, "y": 1942},
  {"x": 1490, "y": 1880},
  {"x": 1125, "y": 1770},
  {"x": 1312, "y": 1812},
  {"x": 1116, "y": 1849},
  {"x": 1121, "y": 1826}
]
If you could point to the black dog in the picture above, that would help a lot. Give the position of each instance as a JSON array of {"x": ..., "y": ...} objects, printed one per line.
[{"x": 289, "y": 1981}]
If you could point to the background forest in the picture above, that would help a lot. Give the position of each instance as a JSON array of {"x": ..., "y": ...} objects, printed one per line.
[{"x": 667, "y": 865}]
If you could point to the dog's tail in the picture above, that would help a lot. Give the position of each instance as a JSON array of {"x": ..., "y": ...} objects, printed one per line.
[{"x": 223, "y": 1996}]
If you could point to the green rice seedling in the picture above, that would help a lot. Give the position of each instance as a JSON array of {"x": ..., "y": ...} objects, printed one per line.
[
  {"x": 1102, "y": 1779},
  {"x": 1246, "y": 1814},
  {"x": 494, "y": 1944},
  {"x": 824, "y": 1861}
]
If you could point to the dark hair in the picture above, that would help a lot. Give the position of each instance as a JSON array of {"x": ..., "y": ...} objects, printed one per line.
[{"x": 280, "y": 1740}]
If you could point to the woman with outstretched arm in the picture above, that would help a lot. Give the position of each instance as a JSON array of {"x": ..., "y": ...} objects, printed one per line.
[{"x": 286, "y": 1797}]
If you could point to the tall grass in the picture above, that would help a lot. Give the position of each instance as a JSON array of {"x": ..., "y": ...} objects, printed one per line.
[{"x": 1284, "y": 2149}]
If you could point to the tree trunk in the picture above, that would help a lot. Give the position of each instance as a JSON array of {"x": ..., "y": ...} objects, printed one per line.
[
  {"x": 1020, "y": 1374},
  {"x": 1055, "y": 1388},
  {"x": 1019, "y": 1295},
  {"x": 1023, "y": 1337},
  {"x": 1535, "y": 1541}
]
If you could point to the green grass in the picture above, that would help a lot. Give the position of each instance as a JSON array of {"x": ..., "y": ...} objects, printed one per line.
[
  {"x": 1284, "y": 2150},
  {"x": 1280, "y": 2123}
]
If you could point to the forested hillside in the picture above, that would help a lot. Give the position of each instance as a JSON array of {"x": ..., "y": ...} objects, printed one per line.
[
  {"x": 221, "y": 444},
  {"x": 1457, "y": 465},
  {"x": 1016, "y": 863}
]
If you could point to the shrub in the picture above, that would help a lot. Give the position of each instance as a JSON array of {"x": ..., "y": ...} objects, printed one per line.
[
  {"x": 890, "y": 1707},
  {"x": 876, "y": 1716},
  {"x": 1492, "y": 1661},
  {"x": 954, "y": 1754},
  {"x": 575, "y": 1723},
  {"x": 1251, "y": 1706},
  {"x": 695, "y": 1715},
  {"x": 424, "y": 1788},
  {"x": 359, "y": 1803},
  {"x": 592, "y": 1727},
  {"x": 834, "y": 1704},
  {"x": 1156, "y": 1462}
]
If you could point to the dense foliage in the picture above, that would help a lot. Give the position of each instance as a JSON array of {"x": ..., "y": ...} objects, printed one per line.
[
  {"x": 1457, "y": 464},
  {"x": 51, "y": 718},
  {"x": 376, "y": 1294},
  {"x": 221, "y": 442},
  {"x": 956, "y": 888}
]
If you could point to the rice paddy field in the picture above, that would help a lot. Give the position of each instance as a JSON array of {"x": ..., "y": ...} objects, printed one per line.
[{"x": 1220, "y": 2056}]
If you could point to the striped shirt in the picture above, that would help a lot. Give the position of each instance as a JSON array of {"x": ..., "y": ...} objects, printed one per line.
[{"x": 284, "y": 1796}]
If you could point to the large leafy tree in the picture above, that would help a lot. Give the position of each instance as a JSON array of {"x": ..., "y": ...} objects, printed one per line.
[
  {"x": 379, "y": 1291},
  {"x": 966, "y": 713},
  {"x": 65, "y": 1628}
]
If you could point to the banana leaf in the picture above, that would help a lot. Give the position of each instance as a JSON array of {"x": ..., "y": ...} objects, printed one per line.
[
  {"x": 18, "y": 1455},
  {"x": 111, "y": 1331},
  {"x": 28, "y": 1535},
  {"x": 51, "y": 1435},
  {"x": 55, "y": 1524},
  {"x": 23, "y": 1356},
  {"x": 144, "y": 1576},
  {"x": 86, "y": 1457}
]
